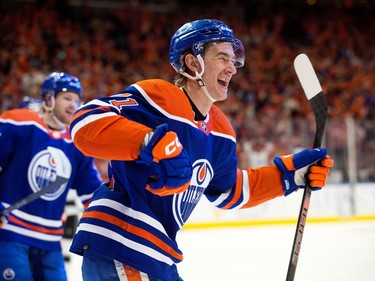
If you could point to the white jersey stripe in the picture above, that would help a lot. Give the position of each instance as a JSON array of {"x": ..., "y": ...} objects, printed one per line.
[
  {"x": 126, "y": 242},
  {"x": 245, "y": 193},
  {"x": 30, "y": 123},
  {"x": 35, "y": 219},
  {"x": 88, "y": 120},
  {"x": 129, "y": 212},
  {"x": 31, "y": 233},
  {"x": 120, "y": 271},
  {"x": 144, "y": 276},
  {"x": 245, "y": 190}
]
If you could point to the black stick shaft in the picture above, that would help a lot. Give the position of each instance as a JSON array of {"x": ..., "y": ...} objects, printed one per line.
[
  {"x": 319, "y": 106},
  {"x": 33, "y": 196}
]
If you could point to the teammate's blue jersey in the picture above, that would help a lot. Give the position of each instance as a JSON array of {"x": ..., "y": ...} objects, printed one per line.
[
  {"x": 129, "y": 223},
  {"x": 26, "y": 166}
]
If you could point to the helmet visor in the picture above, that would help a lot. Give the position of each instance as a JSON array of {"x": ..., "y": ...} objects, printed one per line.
[
  {"x": 238, "y": 49},
  {"x": 239, "y": 53}
]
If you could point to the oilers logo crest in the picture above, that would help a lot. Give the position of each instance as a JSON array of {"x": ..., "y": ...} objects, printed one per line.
[
  {"x": 184, "y": 203},
  {"x": 9, "y": 274},
  {"x": 42, "y": 172}
]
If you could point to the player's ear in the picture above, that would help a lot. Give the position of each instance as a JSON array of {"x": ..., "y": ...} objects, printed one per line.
[
  {"x": 48, "y": 99},
  {"x": 192, "y": 63}
]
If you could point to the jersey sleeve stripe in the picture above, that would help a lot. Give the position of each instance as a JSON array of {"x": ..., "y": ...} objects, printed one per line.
[
  {"x": 236, "y": 197},
  {"x": 80, "y": 122},
  {"x": 245, "y": 190},
  {"x": 236, "y": 192},
  {"x": 221, "y": 198},
  {"x": 84, "y": 198},
  {"x": 84, "y": 114}
]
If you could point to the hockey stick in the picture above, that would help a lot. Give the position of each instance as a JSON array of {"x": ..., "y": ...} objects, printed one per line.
[
  {"x": 33, "y": 196},
  {"x": 318, "y": 102},
  {"x": 63, "y": 171}
]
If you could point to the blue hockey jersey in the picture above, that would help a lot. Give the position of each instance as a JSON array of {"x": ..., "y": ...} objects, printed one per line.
[
  {"x": 129, "y": 223},
  {"x": 26, "y": 166}
]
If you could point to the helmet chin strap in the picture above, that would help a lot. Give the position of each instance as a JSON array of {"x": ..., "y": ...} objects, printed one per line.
[
  {"x": 50, "y": 109},
  {"x": 199, "y": 78}
]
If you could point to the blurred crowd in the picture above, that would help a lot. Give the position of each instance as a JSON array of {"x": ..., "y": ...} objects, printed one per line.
[{"x": 112, "y": 47}]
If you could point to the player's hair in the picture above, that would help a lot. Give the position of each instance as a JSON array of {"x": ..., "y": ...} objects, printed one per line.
[{"x": 180, "y": 80}]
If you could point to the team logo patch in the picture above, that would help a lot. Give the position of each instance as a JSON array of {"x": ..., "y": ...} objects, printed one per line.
[
  {"x": 9, "y": 274},
  {"x": 184, "y": 203},
  {"x": 203, "y": 126},
  {"x": 202, "y": 173},
  {"x": 42, "y": 172}
]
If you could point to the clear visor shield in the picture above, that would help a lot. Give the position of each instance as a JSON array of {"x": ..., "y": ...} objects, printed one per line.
[
  {"x": 238, "y": 49},
  {"x": 239, "y": 53}
]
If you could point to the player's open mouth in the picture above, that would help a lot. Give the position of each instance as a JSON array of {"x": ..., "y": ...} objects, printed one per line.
[{"x": 223, "y": 82}]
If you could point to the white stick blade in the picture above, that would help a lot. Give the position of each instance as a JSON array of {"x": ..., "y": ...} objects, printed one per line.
[{"x": 307, "y": 76}]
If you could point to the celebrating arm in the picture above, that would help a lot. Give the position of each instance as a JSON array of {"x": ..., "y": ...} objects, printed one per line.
[
  {"x": 98, "y": 130},
  {"x": 255, "y": 186}
]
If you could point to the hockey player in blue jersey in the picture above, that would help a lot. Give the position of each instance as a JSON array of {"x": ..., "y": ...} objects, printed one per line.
[
  {"x": 30, "y": 236},
  {"x": 168, "y": 146}
]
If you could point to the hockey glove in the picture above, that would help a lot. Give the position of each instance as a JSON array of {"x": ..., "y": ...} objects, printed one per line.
[
  {"x": 172, "y": 169},
  {"x": 296, "y": 168}
]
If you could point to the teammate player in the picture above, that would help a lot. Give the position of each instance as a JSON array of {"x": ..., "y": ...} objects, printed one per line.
[
  {"x": 168, "y": 145},
  {"x": 30, "y": 238}
]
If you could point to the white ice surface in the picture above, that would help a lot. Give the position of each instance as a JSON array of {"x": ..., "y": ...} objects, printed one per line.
[{"x": 342, "y": 251}]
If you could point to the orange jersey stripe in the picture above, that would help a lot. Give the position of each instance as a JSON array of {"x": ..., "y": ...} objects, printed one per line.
[
  {"x": 36, "y": 228},
  {"x": 132, "y": 274},
  {"x": 238, "y": 190},
  {"x": 133, "y": 229},
  {"x": 79, "y": 114}
]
